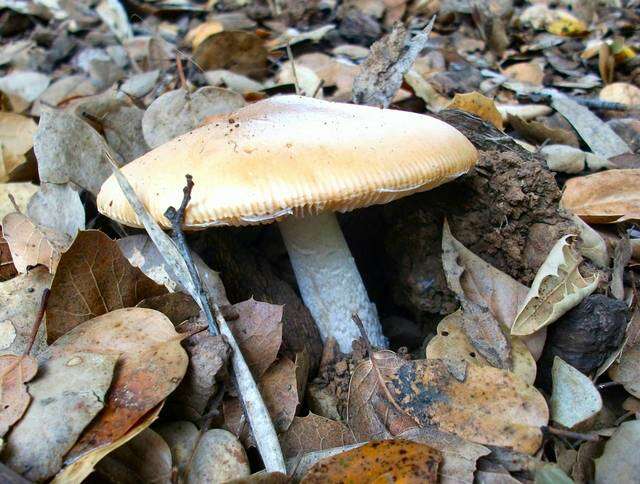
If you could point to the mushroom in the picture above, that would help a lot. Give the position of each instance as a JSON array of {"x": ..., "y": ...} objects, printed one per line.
[{"x": 297, "y": 160}]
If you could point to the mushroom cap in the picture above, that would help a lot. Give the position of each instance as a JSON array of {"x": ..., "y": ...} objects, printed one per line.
[{"x": 291, "y": 155}]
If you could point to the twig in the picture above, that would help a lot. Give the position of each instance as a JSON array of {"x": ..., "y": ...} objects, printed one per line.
[
  {"x": 38, "y": 322},
  {"x": 256, "y": 410},
  {"x": 183, "y": 79},
  {"x": 293, "y": 68},
  {"x": 569, "y": 434},
  {"x": 176, "y": 217},
  {"x": 363, "y": 333}
]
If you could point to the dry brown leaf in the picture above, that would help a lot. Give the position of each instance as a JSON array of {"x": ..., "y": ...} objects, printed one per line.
[
  {"x": 480, "y": 325},
  {"x": 487, "y": 405},
  {"x": 390, "y": 58},
  {"x": 487, "y": 286},
  {"x": 233, "y": 50},
  {"x": 7, "y": 268},
  {"x": 459, "y": 456},
  {"x": 452, "y": 343},
  {"x": 371, "y": 414},
  {"x": 529, "y": 72},
  {"x": 385, "y": 461},
  {"x": 82, "y": 467},
  {"x": 200, "y": 32},
  {"x": 478, "y": 104},
  {"x": 208, "y": 356},
  {"x": 537, "y": 132},
  {"x": 258, "y": 331},
  {"x": 93, "y": 278},
  {"x": 313, "y": 433},
  {"x": 218, "y": 457},
  {"x": 16, "y": 139},
  {"x": 145, "y": 458},
  {"x": 627, "y": 369},
  {"x": 70, "y": 385},
  {"x": 150, "y": 366},
  {"x": 621, "y": 92},
  {"x": 557, "y": 287},
  {"x": 31, "y": 244},
  {"x": 610, "y": 196},
  {"x": 21, "y": 193},
  {"x": 20, "y": 299},
  {"x": 15, "y": 371},
  {"x": 279, "y": 390}
]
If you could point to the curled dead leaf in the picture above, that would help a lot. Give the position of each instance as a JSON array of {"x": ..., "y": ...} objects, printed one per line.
[
  {"x": 31, "y": 244},
  {"x": 15, "y": 371},
  {"x": 93, "y": 279},
  {"x": 478, "y": 104},
  {"x": 313, "y": 433},
  {"x": 234, "y": 50},
  {"x": 557, "y": 287},
  {"x": 610, "y": 196}
]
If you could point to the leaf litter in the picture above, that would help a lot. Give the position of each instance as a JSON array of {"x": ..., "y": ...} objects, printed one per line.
[{"x": 542, "y": 268}]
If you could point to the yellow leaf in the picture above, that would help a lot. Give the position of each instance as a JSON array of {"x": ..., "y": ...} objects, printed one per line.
[
  {"x": 566, "y": 25},
  {"x": 481, "y": 106}
]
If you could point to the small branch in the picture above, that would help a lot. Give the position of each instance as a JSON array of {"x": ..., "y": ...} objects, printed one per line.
[
  {"x": 570, "y": 434},
  {"x": 181, "y": 76},
  {"x": 38, "y": 322},
  {"x": 363, "y": 333},
  {"x": 176, "y": 217},
  {"x": 293, "y": 68}
]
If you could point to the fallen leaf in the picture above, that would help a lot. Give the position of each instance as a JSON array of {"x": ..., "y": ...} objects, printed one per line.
[
  {"x": 233, "y": 50},
  {"x": 57, "y": 207},
  {"x": 208, "y": 356},
  {"x": 305, "y": 79},
  {"x": 182, "y": 437},
  {"x": 82, "y": 467},
  {"x": 20, "y": 299},
  {"x": 142, "y": 253},
  {"x": 31, "y": 244},
  {"x": 391, "y": 57},
  {"x": 145, "y": 458},
  {"x": 621, "y": 92},
  {"x": 452, "y": 343},
  {"x": 567, "y": 159},
  {"x": 619, "y": 461},
  {"x": 73, "y": 385},
  {"x": 23, "y": 87},
  {"x": 459, "y": 456},
  {"x": 69, "y": 150},
  {"x": 93, "y": 278},
  {"x": 279, "y": 390},
  {"x": 371, "y": 414},
  {"x": 487, "y": 406},
  {"x": 15, "y": 371},
  {"x": 16, "y": 139},
  {"x": 551, "y": 474},
  {"x": 574, "y": 398},
  {"x": 178, "y": 112},
  {"x": 21, "y": 193},
  {"x": 384, "y": 461},
  {"x": 525, "y": 112},
  {"x": 539, "y": 133},
  {"x": 258, "y": 331},
  {"x": 177, "y": 306},
  {"x": 529, "y": 72},
  {"x": 200, "y": 32},
  {"x": 7, "y": 268},
  {"x": 113, "y": 14},
  {"x": 313, "y": 433},
  {"x": 486, "y": 286},
  {"x": 151, "y": 364},
  {"x": 218, "y": 457},
  {"x": 591, "y": 244},
  {"x": 607, "y": 197},
  {"x": 566, "y": 25},
  {"x": 627, "y": 369},
  {"x": 598, "y": 135},
  {"x": 65, "y": 88},
  {"x": 557, "y": 287},
  {"x": 621, "y": 257},
  {"x": 478, "y": 104},
  {"x": 480, "y": 326},
  {"x": 294, "y": 36}
]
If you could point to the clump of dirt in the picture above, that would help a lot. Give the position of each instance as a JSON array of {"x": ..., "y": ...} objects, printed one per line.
[{"x": 505, "y": 210}]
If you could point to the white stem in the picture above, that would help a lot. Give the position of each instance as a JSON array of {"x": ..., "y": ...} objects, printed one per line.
[{"x": 329, "y": 280}]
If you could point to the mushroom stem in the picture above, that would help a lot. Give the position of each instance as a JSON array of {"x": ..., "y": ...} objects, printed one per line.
[{"x": 329, "y": 280}]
